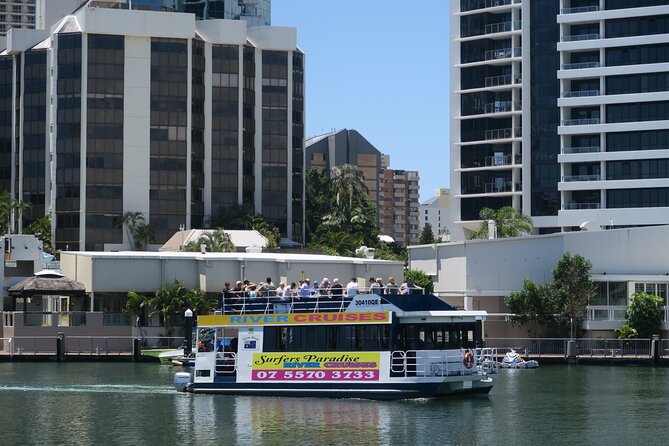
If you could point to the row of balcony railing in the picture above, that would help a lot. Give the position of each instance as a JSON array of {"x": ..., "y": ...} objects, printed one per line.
[
  {"x": 503, "y": 106},
  {"x": 580, "y": 206},
  {"x": 582, "y": 121},
  {"x": 573, "y": 178},
  {"x": 473, "y": 5},
  {"x": 580, "y": 93},
  {"x": 586, "y": 149},
  {"x": 503, "y": 53},
  {"x": 579, "y": 37},
  {"x": 506, "y": 79},
  {"x": 508, "y": 133},
  {"x": 579, "y": 10}
]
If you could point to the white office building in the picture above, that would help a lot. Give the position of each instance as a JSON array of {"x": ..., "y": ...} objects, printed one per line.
[{"x": 437, "y": 212}]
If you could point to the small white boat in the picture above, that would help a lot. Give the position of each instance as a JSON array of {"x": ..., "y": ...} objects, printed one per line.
[
  {"x": 512, "y": 360},
  {"x": 166, "y": 357}
]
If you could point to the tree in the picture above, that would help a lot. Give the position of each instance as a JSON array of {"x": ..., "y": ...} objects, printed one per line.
[
  {"x": 130, "y": 221},
  {"x": 199, "y": 301},
  {"x": 8, "y": 208},
  {"x": 508, "y": 221},
  {"x": 216, "y": 241},
  {"x": 420, "y": 279},
  {"x": 169, "y": 299},
  {"x": 572, "y": 280},
  {"x": 348, "y": 185},
  {"x": 559, "y": 304},
  {"x": 143, "y": 235},
  {"x": 41, "y": 228},
  {"x": 645, "y": 314},
  {"x": 135, "y": 304},
  {"x": 426, "y": 235},
  {"x": 245, "y": 218},
  {"x": 318, "y": 199},
  {"x": 536, "y": 303}
]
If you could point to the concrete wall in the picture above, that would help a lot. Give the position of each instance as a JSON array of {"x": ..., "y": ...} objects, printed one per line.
[{"x": 145, "y": 272}]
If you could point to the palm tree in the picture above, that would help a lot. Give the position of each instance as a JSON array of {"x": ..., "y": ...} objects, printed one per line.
[
  {"x": 129, "y": 221},
  {"x": 348, "y": 185},
  {"x": 509, "y": 222},
  {"x": 217, "y": 241},
  {"x": 143, "y": 236},
  {"x": 135, "y": 305},
  {"x": 168, "y": 300},
  {"x": 8, "y": 208},
  {"x": 41, "y": 228},
  {"x": 199, "y": 301}
]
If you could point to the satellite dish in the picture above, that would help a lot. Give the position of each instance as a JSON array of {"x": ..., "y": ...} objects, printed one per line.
[{"x": 584, "y": 226}]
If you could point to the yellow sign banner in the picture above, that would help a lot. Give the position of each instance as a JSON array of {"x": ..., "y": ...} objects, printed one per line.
[{"x": 363, "y": 317}]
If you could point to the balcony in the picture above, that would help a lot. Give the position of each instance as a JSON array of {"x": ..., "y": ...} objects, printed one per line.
[
  {"x": 502, "y": 27},
  {"x": 575, "y": 178},
  {"x": 498, "y": 81},
  {"x": 579, "y": 10},
  {"x": 586, "y": 121},
  {"x": 580, "y": 65},
  {"x": 576, "y": 206},
  {"x": 492, "y": 188},
  {"x": 495, "y": 161},
  {"x": 503, "y": 133},
  {"x": 504, "y": 53},
  {"x": 580, "y": 94},
  {"x": 482, "y": 4},
  {"x": 580, "y": 37},
  {"x": 589, "y": 149}
]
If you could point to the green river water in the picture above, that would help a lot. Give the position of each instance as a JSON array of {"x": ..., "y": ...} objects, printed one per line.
[{"x": 135, "y": 404}]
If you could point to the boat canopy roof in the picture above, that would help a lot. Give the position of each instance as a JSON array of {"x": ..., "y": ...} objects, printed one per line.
[{"x": 409, "y": 302}]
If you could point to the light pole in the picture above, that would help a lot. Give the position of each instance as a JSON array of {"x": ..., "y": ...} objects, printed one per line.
[
  {"x": 188, "y": 349},
  {"x": 181, "y": 230}
]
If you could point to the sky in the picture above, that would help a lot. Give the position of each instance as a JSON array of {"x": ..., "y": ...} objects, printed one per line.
[{"x": 380, "y": 67}]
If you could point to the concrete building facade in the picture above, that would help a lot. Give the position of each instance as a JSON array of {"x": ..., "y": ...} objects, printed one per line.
[
  {"x": 437, "y": 212},
  {"x": 133, "y": 110},
  {"x": 558, "y": 110},
  {"x": 17, "y": 14}
]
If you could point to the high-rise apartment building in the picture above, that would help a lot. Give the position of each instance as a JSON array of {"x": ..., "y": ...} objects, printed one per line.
[
  {"x": 560, "y": 109},
  {"x": 18, "y": 14},
  {"x": 394, "y": 193},
  {"x": 133, "y": 110}
]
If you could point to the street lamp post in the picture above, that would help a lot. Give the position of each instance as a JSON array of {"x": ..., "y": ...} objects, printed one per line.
[{"x": 188, "y": 349}]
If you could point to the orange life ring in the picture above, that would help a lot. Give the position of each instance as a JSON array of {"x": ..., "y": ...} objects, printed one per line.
[{"x": 468, "y": 359}]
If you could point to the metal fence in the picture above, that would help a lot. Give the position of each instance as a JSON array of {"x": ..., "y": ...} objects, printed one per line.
[
  {"x": 103, "y": 345},
  {"x": 585, "y": 347},
  {"x": 614, "y": 348},
  {"x": 530, "y": 346}
]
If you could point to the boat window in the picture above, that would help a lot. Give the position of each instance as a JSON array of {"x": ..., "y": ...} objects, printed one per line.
[
  {"x": 326, "y": 338},
  {"x": 435, "y": 336}
]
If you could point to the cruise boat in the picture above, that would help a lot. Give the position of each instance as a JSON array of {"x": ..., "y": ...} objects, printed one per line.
[{"x": 369, "y": 346}]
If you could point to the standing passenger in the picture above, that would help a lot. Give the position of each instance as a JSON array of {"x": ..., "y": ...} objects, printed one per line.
[{"x": 352, "y": 289}]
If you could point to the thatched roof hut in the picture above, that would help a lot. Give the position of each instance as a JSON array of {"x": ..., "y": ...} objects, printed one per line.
[{"x": 46, "y": 283}]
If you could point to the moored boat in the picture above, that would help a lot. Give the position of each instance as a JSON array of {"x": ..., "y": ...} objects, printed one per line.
[
  {"x": 512, "y": 360},
  {"x": 369, "y": 346}
]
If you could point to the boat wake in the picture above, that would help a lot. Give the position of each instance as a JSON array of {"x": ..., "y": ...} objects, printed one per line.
[{"x": 91, "y": 388}]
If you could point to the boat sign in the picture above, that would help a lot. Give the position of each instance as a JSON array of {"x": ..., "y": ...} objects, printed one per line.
[
  {"x": 316, "y": 366},
  {"x": 362, "y": 317}
]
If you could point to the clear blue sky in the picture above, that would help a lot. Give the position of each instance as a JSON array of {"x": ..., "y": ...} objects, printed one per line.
[{"x": 381, "y": 68}]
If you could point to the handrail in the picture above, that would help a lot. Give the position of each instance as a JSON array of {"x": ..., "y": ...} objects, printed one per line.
[
  {"x": 579, "y": 10},
  {"x": 580, "y": 65},
  {"x": 589, "y": 149},
  {"x": 580, "y": 37},
  {"x": 580, "y": 93}
]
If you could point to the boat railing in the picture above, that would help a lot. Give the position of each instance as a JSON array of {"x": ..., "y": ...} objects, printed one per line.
[
  {"x": 442, "y": 363},
  {"x": 161, "y": 342},
  {"x": 317, "y": 301},
  {"x": 226, "y": 363}
]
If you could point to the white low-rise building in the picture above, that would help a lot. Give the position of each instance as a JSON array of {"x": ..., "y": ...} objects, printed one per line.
[{"x": 478, "y": 274}]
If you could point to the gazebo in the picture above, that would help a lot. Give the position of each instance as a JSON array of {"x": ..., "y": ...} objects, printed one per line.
[{"x": 48, "y": 283}]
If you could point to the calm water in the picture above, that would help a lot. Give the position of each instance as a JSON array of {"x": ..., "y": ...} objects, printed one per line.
[{"x": 134, "y": 404}]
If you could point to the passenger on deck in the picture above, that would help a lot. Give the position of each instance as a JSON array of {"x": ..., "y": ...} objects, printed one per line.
[
  {"x": 374, "y": 287},
  {"x": 352, "y": 288},
  {"x": 305, "y": 289},
  {"x": 337, "y": 289},
  {"x": 324, "y": 289},
  {"x": 290, "y": 292},
  {"x": 391, "y": 286}
]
